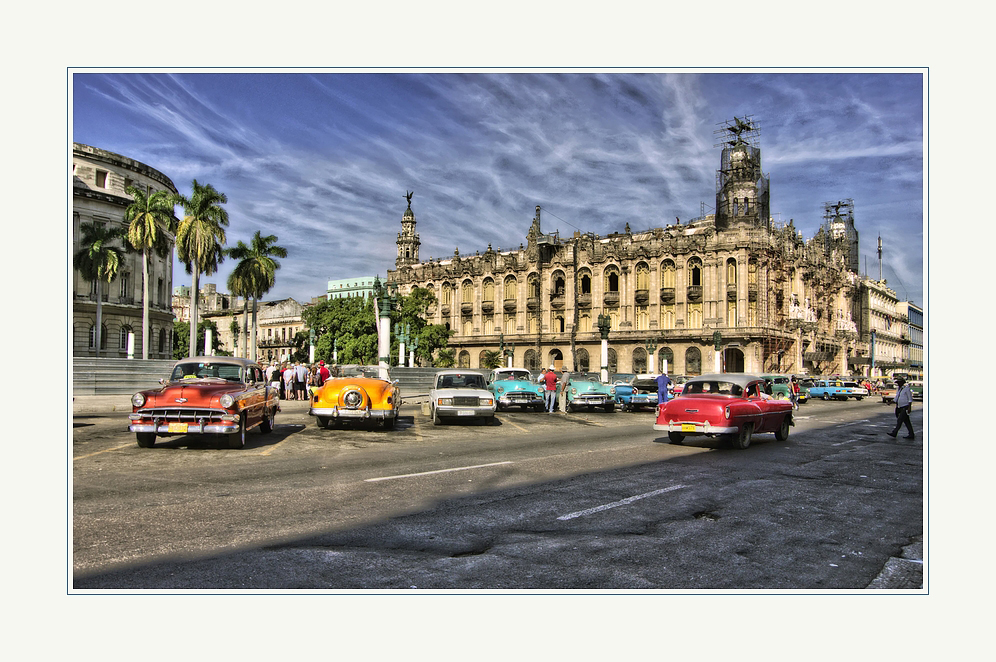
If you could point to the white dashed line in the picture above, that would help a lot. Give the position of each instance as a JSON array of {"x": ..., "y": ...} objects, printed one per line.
[
  {"x": 438, "y": 471},
  {"x": 615, "y": 504}
]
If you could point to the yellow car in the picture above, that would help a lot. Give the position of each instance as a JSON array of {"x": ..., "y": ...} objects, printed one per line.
[{"x": 360, "y": 396}]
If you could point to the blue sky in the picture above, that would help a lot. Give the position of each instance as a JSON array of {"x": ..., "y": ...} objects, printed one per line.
[{"x": 323, "y": 159}]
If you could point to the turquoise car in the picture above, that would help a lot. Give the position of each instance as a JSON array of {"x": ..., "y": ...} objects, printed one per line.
[
  {"x": 836, "y": 389},
  {"x": 515, "y": 387},
  {"x": 638, "y": 392},
  {"x": 586, "y": 390}
]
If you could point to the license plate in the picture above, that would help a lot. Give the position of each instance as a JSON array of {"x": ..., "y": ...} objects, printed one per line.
[
  {"x": 177, "y": 427},
  {"x": 687, "y": 427},
  {"x": 465, "y": 412}
]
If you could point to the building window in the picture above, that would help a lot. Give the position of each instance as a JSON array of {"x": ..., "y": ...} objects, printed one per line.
[
  {"x": 510, "y": 289},
  {"x": 123, "y": 337},
  {"x": 611, "y": 280},
  {"x": 731, "y": 272},
  {"x": 695, "y": 272},
  {"x": 464, "y": 359},
  {"x": 489, "y": 290},
  {"x": 585, "y": 284},
  {"x": 665, "y": 355},
  {"x": 101, "y": 179},
  {"x": 509, "y": 324},
  {"x": 103, "y": 336},
  {"x": 162, "y": 340},
  {"x": 667, "y": 316},
  {"x": 613, "y": 320},
  {"x": 694, "y": 315},
  {"x": 731, "y": 313},
  {"x": 581, "y": 360},
  {"x": 489, "y": 326},
  {"x": 558, "y": 324},
  {"x": 667, "y": 274},
  {"x": 642, "y": 277},
  {"x": 532, "y": 322},
  {"x": 559, "y": 284},
  {"x": 447, "y": 294},
  {"x": 693, "y": 361},
  {"x": 642, "y": 318},
  {"x": 468, "y": 291},
  {"x": 613, "y": 361},
  {"x": 125, "y": 279},
  {"x": 533, "y": 287},
  {"x": 584, "y": 323},
  {"x": 468, "y": 326},
  {"x": 640, "y": 360}
]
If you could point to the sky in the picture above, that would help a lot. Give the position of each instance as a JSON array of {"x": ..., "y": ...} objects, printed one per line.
[{"x": 323, "y": 159}]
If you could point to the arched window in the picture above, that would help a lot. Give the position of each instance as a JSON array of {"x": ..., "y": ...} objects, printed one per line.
[
  {"x": 162, "y": 341},
  {"x": 611, "y": 279},
  {"x": 640, "y": 360},
  {"x": 488, "y": 292},
  {"x": 511, "y": 288},
  {"x": 533, "y": 287},
  {"x": 695, "y": 316},
  {"x": 695, "y": 271},
  {"x": 665, "y": 355},
  {"x": 529, "y": 360},
  {"x": 532, "y": 323},
  {"x": 447, "y": 294},
  {"x": 613, "y": 361},
  {"x": 103, "y": 336},
  {"x": 693, "y": 361},
  {"x": 509, "y": 324},
  {"x": 468, "y": 326},
  {"x": 642, "y": 318},
  {"x": 642, "y": 276},
  {"x": 731, "y": 272},
  {"x": 467, "y": 290},
  {"x": 667, "y": 274},
  {"x": 123, "y": 337},
  {"x": 464, "y": 359},
  {"x": 559, "y": 284},
  {"x": 667, "y": 317},
  {"x": 585, "y": 283},
  {"x": 489, "y": 325},
  {"x": 584, "y": 323},
  {"x": 558, "y": 324},
  {"x": 581, "y": 360}
]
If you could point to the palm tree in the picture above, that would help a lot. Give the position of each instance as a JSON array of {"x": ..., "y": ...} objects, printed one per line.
[
  {"x": 199, "y": 240},
  {"x": 240, "y": 287},
  {"x": 256, "y": 270},
  {"x": 150, "y": 219},
  {"x": 98, "y": 261}
]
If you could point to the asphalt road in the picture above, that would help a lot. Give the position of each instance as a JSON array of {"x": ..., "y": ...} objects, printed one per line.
[{"x": 585, "y": 502}]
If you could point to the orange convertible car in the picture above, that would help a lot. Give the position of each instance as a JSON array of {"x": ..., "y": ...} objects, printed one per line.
[{"x": 358, "y": 396}]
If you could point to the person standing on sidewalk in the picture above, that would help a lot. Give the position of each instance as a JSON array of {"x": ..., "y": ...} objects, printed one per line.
[
  {"x": 904, "y": 404},
  {"x": 550, "y": 379},
  {"x": 794, "y": 392}
]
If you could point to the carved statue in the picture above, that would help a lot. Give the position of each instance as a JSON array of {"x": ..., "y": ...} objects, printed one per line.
[{"x": 408, "y": 196}]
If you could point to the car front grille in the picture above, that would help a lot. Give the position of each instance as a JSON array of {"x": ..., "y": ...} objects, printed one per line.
[
  {"x": 178, "y": 415},
  {"x": 466, "y": 402}
]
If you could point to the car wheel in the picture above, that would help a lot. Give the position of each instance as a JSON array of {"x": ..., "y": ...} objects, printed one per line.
[
  {"x": 783, "y": 431},
  {"x": 146, "y": 439},
  {"x": 826, "y": 396},
  {"x": 238, "y": 439},
  {"x": 266, "y": 426},
  {"x": 323, "y": 421},
  {"x": 858, "y": 397},
  {"x": 742, "y": 440},
  {"x": 435, "y": 418},
  {"x": 387, "y": 423},
  {"x": 675, "y": 437},
  {"x": 569, "y": 407},
  {"x": 610, "y": 408}
]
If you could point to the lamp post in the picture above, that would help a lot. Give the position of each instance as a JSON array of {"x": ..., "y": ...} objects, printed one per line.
[
  {"x": 411, "y": 352},
  {"x": 385, "y": 298},
  {"x": 403, "y": 331},
  {"x": 335, "y": 351},
  {"x": 311, "y": 345},
  {"x": 604, "y": 324},
  {"x": 651, "y": 346},
  {"x": 503, "y": 348},
  {"x": 717, "y": 341}
]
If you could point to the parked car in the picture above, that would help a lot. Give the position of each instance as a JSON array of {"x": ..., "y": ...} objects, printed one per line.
[
  {"x": 780, "y": 386},
  {"x": 855, "y": 390},
  {"x": 677, "y": 384},
  {"x": 916, "y": 389},
  {"x": 585, "y": 389},
  {"x": 208, "y": 395},
  {"x": 730, "y": 405},
  {"x": 357, "y": 395},
  {"x": 639, "y": 392},
  {"x": 461, "y": 394},
  {"x": 515, "y": 387},
  {"x": 834, "y": 389}
]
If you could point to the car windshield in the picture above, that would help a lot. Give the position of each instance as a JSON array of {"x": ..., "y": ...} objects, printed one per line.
[
  {"x": 712, "y": 387},
  {"x": 516, "y": 374},
  {"x": 194, "y": 370},
  {"x": 464, "y": 380},
  {"x": 645, "y": 384},
  {"x": 586, "y": 377}
]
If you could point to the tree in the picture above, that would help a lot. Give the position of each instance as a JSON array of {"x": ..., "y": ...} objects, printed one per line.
[
  {"x": 446, "y": 358},
  {"x": 240, "y": 288},
  {"x": 98, "y": 262},
  {"x": 150, "y": 219},
  {"x": 256, "y": 271},
  {"x": 200, "y": 238},
  {"x": 181, "y": 338},
  {"x": 492, "y": 359},
  {"x": 348, "y": 324},
  {"x": 412, "y": 310}
]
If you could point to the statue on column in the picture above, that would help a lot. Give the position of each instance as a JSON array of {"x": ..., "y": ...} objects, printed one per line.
[{"x": 408, "y": 196}]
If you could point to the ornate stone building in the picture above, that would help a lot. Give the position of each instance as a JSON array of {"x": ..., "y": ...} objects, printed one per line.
[
  {"x": 730, "y": 291},
  {"x": 99, "y": 181}
]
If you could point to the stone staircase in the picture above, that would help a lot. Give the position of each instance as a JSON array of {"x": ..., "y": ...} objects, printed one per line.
[{"x": 100, "y": 376}]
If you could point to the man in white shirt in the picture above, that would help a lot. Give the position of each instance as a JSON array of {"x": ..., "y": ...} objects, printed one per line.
[{"x": 904, "y": 403}]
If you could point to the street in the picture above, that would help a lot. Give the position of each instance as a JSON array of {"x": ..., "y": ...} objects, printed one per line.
[{"x": 584, "y": 501}]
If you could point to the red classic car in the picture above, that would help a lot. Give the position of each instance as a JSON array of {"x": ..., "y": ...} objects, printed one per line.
[
  {"x": 216, "y": 395},
  {"x": 733, "y": 405}
]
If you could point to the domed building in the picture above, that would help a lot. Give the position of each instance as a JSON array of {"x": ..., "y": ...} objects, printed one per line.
[
  {"x": 99, "y": 182},
  {"x": 729, "y": 291}
]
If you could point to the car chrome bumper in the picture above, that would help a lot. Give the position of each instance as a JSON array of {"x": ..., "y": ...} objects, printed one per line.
[
  {"x": 699, "y": 428},
  {"x": 454, "y": 412},
  {"x": 342, "y": 412},
  {"x": 192, "y": 428},
  {"x": 520, "y": 400}
]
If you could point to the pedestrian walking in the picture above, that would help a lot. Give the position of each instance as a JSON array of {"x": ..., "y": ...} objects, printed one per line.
[
  {"x": 794, "y": 392},
  {"x": 904, "y": 405},
  {"x": 663, "y": 384},
  {"x": 550, "y": 380},
  {"x": 563, "y": 391}
]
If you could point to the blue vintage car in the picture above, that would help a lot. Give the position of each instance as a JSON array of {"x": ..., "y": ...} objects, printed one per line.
[
  {"x": 836, "y": 389},
  {"x": 638, "y": 392},
  {"x": 585, "y": 389},
  {"x": 515, "y": 387}
]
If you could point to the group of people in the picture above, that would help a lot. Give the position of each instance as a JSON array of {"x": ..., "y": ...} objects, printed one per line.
[
  {"x": 548, "y": 377},
  {"x": 296, "y": 380}
]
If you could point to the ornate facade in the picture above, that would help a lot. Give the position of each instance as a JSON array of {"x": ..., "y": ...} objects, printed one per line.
[
  {"x": 99, "y": 181},
  {"x": 730, "y": 291}
]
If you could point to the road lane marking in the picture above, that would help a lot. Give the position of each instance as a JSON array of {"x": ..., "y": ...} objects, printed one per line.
[
  {"x": 616, "y": 504},
  {"x": 272, "y": 448},
  {"x": 438, "y": 471},
  {"x": 107, "y": 450},
  {"x": 514, "y": 425},
  {"x": 841, "y": 443}
]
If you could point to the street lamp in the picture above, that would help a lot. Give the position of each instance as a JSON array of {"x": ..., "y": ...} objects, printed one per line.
[
  {"x": 403, "y": 335},
  {"x": 385, "y": 298},
  {"x": 651, "y": 346},
  {"x": 604, "y": 325},
  {"x": 507, "y": 350}
]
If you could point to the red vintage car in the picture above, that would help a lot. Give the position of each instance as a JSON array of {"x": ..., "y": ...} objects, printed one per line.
[
  {"x": 732, "y": 405},
  {"x": 213, "y": 395}
]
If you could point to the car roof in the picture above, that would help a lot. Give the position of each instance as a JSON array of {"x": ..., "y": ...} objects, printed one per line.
[
  {"x": 220, "y": 360},
  {"x": 739, "y": 378}
]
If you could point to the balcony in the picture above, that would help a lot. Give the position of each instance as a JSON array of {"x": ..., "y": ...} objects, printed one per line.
[
  {"x": 467, "y": 307},
  {"x": 487, "y": 306},
  {"x": 731, "y": 292},
  {"x": 694, "y": 294},
  {"x": 510, "y": 305},
  {"x": 445, "y": 309},
  {"x": 558, "y": 301},
  {"x": 584, "y": 300},
  {"x": 611, "y": 299},
  {"x": 641, "y": 297},
  {"x": 667, "y": 295}
]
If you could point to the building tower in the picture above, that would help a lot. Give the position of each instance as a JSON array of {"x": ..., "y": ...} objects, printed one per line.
[
  {"x": 408, "y": 241},
  {"x": 742, "y": 195},
  {"x": 838, "y": 223}
]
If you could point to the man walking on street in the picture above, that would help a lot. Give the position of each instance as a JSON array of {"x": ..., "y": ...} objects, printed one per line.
[
  {"x": 663, "y": 383},
  {"x": 904, "y": 404}
]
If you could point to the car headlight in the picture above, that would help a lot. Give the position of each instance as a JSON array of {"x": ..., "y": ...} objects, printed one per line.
[
  {"x": 487, "y": 401},
  {"x": 727, "y": 411},
  {"x": 138, "y": 400},
  {"x": 227, "y": 401},
  {"x": 500, "y": 390},
  {"x": 444, "y": 401},
  {"x": 574, "y": 391}
]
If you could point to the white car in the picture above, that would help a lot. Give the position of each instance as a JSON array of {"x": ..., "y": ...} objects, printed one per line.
[{"x": 461, "y": 394}]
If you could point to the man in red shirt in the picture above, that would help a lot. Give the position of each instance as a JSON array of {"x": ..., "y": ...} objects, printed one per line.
[{"x": 550, "y": 379}]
